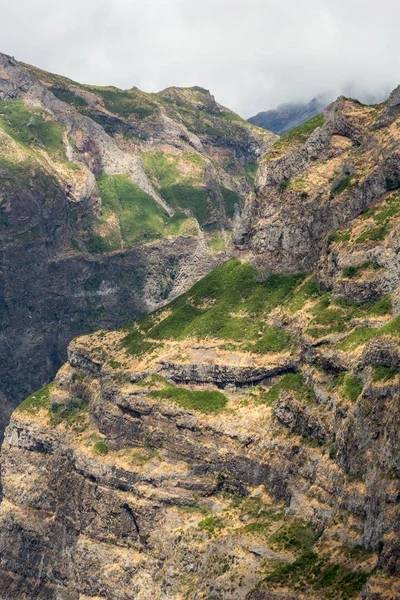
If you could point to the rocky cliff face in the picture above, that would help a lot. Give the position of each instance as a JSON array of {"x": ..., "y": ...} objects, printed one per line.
[
  {"x": 111, "y": 202},
  {"x": 317, "y": 178},
  {"x": 242, "y": 441}
]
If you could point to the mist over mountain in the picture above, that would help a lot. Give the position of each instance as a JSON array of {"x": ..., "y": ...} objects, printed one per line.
[{"x": 289, "y": 115}]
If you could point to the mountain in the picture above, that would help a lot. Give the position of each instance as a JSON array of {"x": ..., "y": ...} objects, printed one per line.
[
  {"x": 111, "y": 202},
  {"x": 242, "y": 441},
  {"x": 288, "y": 116}
]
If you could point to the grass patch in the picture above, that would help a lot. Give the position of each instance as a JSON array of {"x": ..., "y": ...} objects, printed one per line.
[
  {"x": 202, "y": 401},
  {"x": 341, "y": 185},
  {"x": 161, "y": 167},
  {"x": 295, "y": 537},
  {"x": 135, "y": 344},
  {"x": 101, "y": 448},
  {"x": 66, "y": 95},
  {"x": 383, "y": 374},
  {"x": 375, "y": 234},
  {"x": 141, "y": 218},
  {"x": 297, "y": 136},
  {"x": 32, "y": 127},
  {"x": 272, "y": 340},
  {"x": 71, "y": 412},
  {"x": 183, "y": 196},
  {"x": 211, "y": 525},
  {"x": 216, "y": 243},
  {"x": 352, "y": 272},
  {"x": 231, "y": 201},
  {"x": 363, "y": 334},
  {"x": 36, "y": 401},
  {"x": 352, "y": 388},
  {"x": 258, "y": 528},
  {"x": 291, "y": 382},
  {"x": 125, "y": 103},
  {"x": 309, "y": 290},
  {"x": 336, "y": 316},
  {"x": 336, "y": 581},
  {"x": 251, "y": 170},
  {"x": 338, "y": 237},
  {"x": 208, "y": 309},
  {"x": 99, "y": 245}
]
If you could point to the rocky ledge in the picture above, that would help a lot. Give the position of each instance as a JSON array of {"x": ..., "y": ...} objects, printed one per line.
[{"x": 160, "y": 466}]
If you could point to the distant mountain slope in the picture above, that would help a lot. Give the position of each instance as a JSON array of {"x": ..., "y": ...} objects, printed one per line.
[
  {"x": 288, "y": 116},
  {"x": 111, "y": 202}
]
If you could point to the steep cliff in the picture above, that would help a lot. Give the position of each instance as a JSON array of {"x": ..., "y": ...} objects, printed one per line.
[
  {"x": 318, "y": 177},
  {"x": 111, "y": 201},
  {"x": 242, "y": 441}
]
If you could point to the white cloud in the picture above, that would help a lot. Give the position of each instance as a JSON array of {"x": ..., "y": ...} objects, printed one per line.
[{"x": 252, "y": 54}]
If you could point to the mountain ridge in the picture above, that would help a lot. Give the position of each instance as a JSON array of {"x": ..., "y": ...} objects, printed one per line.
[
  {"x": 289, "y": 115},
  {"x": 241, "y": 441},
  {"x": 86, "y": 188}
]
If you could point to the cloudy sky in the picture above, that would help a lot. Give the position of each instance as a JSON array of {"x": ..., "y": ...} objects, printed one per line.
[{"x": 251, "y": 54}]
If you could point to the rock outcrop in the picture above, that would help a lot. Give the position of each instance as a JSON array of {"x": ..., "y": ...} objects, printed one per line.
[
  {"x": 104, "y": 197},
  {"x": 311, "y": 184},
  {"x": 242, "y": 441},
  {"x": 184, "y": 458}
]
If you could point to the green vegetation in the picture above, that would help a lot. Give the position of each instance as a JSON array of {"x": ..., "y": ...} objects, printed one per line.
[
  {"x": 336, "y": 316},
  {"x": 183, "y": 196},
  {"x": 101, "y": 448},
  {"x": 208, "y": 309},
  {"x": 341, "y": 185},
  {"x": 32, "y": 127},
  {"x": 231, "y": 200},
  {"x": 211, "y": 524},
  {"x": 338, "y": 236},
  {"x": 72, "y": 412},
  {"x": 141, "y": 218},
  {"x": 296, "y": 136},
  {"x": 141, "y": 457},
  {"x": 383, "y": 215},
  {"x": 216, "y": 243},
  {"x": 357, "y": 337},
  {"x": 383, "y": 374},
  {"x": 352, "y": 388},
  {"x": 352, "y": 272},
  {"x": 66, "y": 95},
  {"x": 251, "y": 170},
  {"x": 184, "y": 189},
  {"x": 295, "y": 537},
  {"x": 337, "y": 582},
  {"x": 293, "y": 382},
  {"x": 258, "y": 528},
  {"x": 125, "y": 103},
  {"x": 363, "y": 334},
  {"x": 135, "y": 344},
  {"x": 283, "y": 185},
  {"x": 272, "y": 340},
  {"x": 98, "y": 245},
  {"x": 4, "y": 222},
  {"x": 373, "y": 235},
  {"x": 255, "y": 508},
  {"x": 36, "y": 401},
  {"x": 308, "y": 291},
  {"x": 203, "y": 401},
  {"x": 161, "y": 167}
]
